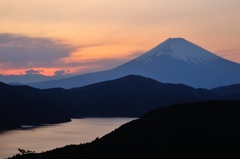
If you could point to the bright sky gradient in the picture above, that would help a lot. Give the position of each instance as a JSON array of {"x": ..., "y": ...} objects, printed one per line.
[{"x": 83, "y": 36}]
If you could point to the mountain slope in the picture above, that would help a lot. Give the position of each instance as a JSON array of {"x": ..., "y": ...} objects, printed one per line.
[
  {"x": 231, "y": 92},
  {"x": 130, "y": 96},
  {"x": 196, "y": 130},
  {"x": 133, "y": 96},
  {"x": 26, "y": 105},
  {"x": 180, "y": 61},
  {"x": 176, "y": 60}
]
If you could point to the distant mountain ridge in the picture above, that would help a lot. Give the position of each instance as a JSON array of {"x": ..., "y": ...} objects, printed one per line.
[
  {"x": 129, "y": 96},
  {"x": 134, "y": 95},
  {"x": 30, "y": 78},
  {"x": 176, "y": 60},
  {"x": 230, "y": 92}
]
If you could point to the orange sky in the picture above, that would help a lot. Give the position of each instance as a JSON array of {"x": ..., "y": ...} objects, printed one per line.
[{"x": 93, "y": 35}]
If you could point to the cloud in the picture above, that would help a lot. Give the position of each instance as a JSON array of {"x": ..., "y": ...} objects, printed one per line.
[
  {"x": 61, "y": 72},
  {"x": 21, "y": 52},
  {"x": 24, "y": 51},
  {"x": 225, "y": 51},
  {"x": 136, "y": 54},
  {"x": 101, "y": 64},
  {"x": 32, "y": 71},
  {"x": 230, "y": 54}
]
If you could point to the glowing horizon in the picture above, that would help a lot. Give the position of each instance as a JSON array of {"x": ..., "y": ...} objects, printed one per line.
[{"x": 89, "y": 36}]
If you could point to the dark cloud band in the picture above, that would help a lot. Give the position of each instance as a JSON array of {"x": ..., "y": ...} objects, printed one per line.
[{"x": 23, "y": 50}]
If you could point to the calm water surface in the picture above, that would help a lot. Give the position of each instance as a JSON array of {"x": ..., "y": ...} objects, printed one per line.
[{"x": 52, "y": 136}]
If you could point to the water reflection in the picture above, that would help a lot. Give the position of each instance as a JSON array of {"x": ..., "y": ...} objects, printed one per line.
[{"x": 51, "y": 136}]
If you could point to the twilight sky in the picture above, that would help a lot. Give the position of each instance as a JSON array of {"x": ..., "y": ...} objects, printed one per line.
[{"x": 62, "y": 36}]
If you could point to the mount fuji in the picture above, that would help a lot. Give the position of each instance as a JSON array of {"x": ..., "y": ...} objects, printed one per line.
[{"x": 175, "y": 60}]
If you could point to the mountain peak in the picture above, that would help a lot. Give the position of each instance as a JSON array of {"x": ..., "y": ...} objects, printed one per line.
[
  {"x": 176, "y": 39},
  {"x": 175, "y": 60},
  {"x": 180, "y": 49}
]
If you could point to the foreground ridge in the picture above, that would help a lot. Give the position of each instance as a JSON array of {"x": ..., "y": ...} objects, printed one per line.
[{"x": 195, "y": 130}]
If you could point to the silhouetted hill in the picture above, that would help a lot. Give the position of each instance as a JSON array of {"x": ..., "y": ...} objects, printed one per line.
[
  {"x": 26, "y": 105},
  {"x": 229, "y": 92},
  {"x": 133, "y": 96},
  {"x": 199, "y": 130},
  {"x": 130, "y": 96},
  {"x": 7, "y": 124}
]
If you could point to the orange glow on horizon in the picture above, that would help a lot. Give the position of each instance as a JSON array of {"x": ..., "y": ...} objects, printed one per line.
[
  {"x": 46, "y": 71},
  {"x": 105, "y": 29}
]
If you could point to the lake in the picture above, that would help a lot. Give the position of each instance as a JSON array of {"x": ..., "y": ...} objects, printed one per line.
[{"x": 52, "y": 136}]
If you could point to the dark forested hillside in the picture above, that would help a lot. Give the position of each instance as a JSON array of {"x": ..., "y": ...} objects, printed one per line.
[
  {"x": 130, "y": 96},
  {"x": 209, "y": 129},
  {"x": 8, "y": 124},
  {"x": 228, "y": 92},
  {"x": 26, "y": 105},
  {"x": 133, "y": 96}
]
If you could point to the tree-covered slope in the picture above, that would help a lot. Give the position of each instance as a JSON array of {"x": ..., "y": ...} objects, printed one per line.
[
  {"x": 26, "y": 105},
  {"x": 197, "y": 130}
]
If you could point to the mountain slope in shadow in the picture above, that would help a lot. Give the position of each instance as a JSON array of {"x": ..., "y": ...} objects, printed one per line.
[
  {"x": 209, "y": 129},
  {"x": 26, "y": 105},
  {"x": 129, "y": 96},
  {"x": 175, "y": 60},
  {"x": 231, "y": 92},
  {"x": 133, "y": 95}
]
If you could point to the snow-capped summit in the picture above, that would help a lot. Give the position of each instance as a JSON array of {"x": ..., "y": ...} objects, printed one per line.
[
  {"x": 180, "y": 49},
  {"x": 175, "y": 60}
]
